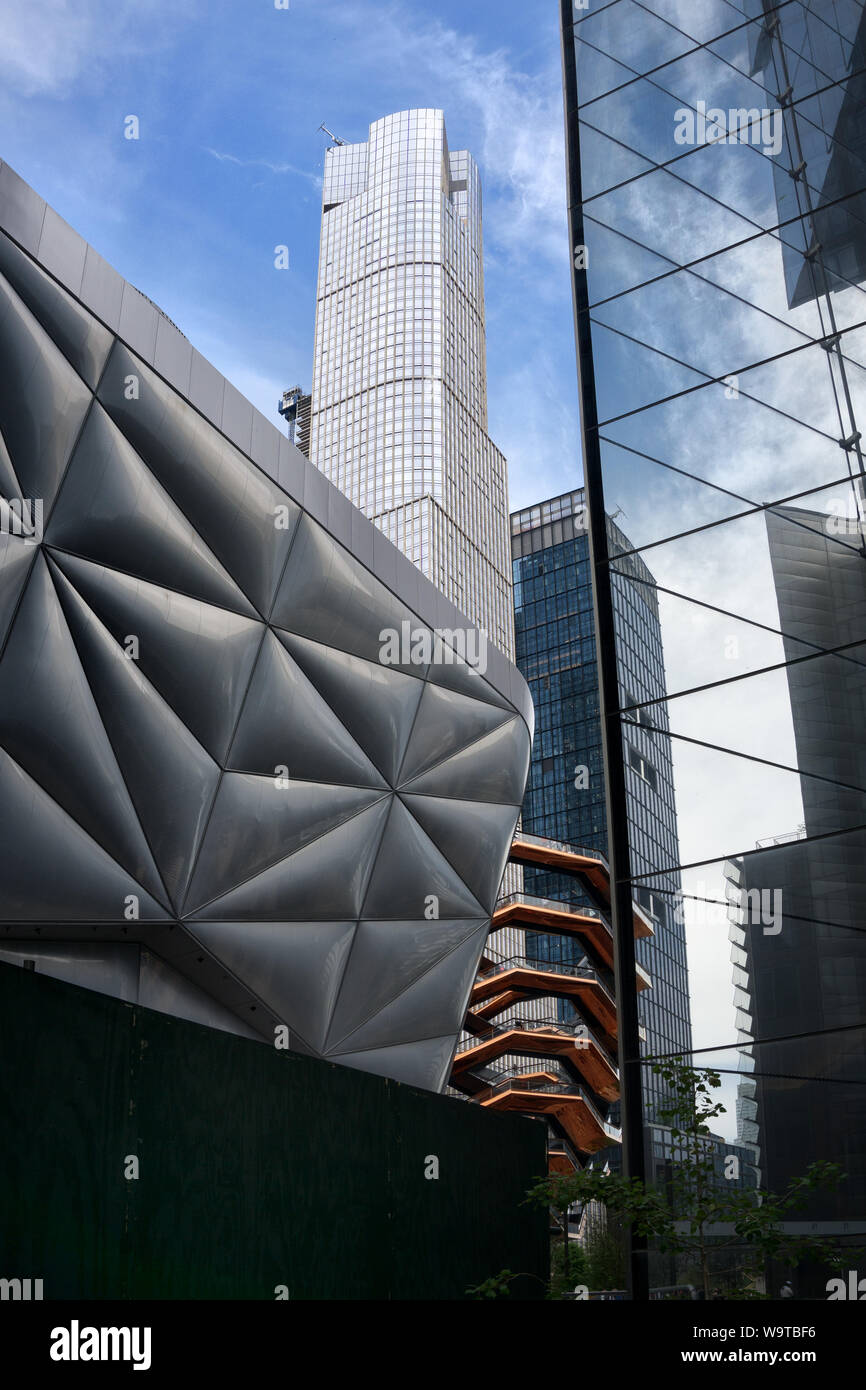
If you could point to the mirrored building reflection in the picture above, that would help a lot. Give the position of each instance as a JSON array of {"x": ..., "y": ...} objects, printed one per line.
[
  {"x": 814, "y": 55},
  {"x": 719, "y": 238},
  {"x": 803, "y": 974}
]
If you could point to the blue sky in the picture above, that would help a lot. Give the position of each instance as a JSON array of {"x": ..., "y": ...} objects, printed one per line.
[{"x": 229, "y": 95}]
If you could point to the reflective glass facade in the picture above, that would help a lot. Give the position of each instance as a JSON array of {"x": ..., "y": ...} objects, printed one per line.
[
  {"x": 565, "y": 800},
  {"x": 399, "y": 408},
  {"x": 719, "y": 240},
  {"x": 813, "y": 970},
  {"x": 818, "y": 50}
]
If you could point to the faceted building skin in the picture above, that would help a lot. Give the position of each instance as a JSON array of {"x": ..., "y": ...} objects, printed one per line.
[{"x": 217, "y": 799}]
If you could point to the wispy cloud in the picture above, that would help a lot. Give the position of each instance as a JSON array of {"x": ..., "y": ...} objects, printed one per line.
[
  {"x": 48, "y": 48},
  {"x": 516, "y": 110},
  {"x": 268, "y": 164}
]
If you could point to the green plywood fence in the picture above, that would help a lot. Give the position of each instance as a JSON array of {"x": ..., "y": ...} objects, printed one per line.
[{"x": 257, "y": 1168}]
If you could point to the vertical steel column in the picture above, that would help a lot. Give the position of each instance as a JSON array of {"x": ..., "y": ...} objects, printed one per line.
[{"x": 608, "y": 678}]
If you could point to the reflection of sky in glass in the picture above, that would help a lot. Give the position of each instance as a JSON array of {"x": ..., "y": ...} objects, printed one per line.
[{"x": 722, "y": 387}]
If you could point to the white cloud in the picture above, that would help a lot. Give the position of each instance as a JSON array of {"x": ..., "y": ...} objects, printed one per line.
[
  {"x": 518, "y": 116},
  {"x": 49, "y": 47},
  {"x": 314, "y": 179}
]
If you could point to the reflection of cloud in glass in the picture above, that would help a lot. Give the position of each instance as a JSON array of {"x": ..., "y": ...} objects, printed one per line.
[{"x": 727, "y": 380}]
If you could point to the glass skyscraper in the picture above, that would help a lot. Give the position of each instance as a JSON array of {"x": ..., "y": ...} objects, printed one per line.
[
  {"x": 565, "y": 799},
  {"x": 399, "y": 395}
]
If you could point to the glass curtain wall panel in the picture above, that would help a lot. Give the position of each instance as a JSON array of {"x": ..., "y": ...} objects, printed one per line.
[
  {"x": 720, "y": 242},
  {"x": 565, "y": 799}
]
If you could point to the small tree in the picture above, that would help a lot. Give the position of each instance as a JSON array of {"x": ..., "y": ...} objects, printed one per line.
[
  {"x": 684, "y": 1220},
  {"x": 605, "y": 1253},
  {"x": 499, "y": 1285},
  {"x": 568, "y": 1267}
]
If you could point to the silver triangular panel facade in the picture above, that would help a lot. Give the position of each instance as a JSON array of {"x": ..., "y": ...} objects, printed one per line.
[
  {"x": 285, "y": 722},
  {"x": 43, "y": 403},
  {"x": 107, "y": 479},
  {"x": 377, "y": 704},
  {"x": 387, "y": 959},
  {"x": 424, "y": 1010},
  {"x": 182, "y": 646},
  {"x": 297, "y": 972},
  {"x": 260, "y": 824},
  {"x": 9, "y": 484},
  {"x": 50, "y": 725},
  {"x": 200, "y": 732}
]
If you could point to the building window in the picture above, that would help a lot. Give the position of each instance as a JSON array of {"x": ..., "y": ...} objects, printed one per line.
[{"x": 643, "y": 768}]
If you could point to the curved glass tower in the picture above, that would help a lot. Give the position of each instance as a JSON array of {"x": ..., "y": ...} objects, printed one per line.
[{"x": 399, "y": 396}]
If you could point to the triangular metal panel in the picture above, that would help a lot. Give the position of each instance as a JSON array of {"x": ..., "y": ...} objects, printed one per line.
[
  {"x": 171, "y": 779},
  {"x": 9, "y": 484},
  {"x": 242, "y": 515},
  {"x": 457, "y": 674},
  {"x": 387, "y": 958},
  {"x": 325, "y": 881},
  {"x": 294, "y": 968},
  {"x": 257, "y": 823},
  {"x": 447, "y": 722},
  {"x": 412, "y": 877},
  {"x": 50, "y": 725},
  {"x": 285, "y": 722},
  {"x": 113, "y": 511},
  {"x": 474, "y": 836},
  {"x": 199, "y": 657},
  {"x": 82, "y": 339},
  {"x": 375, "y": 703},
  {"x": 53, "y": 872},
  {"x": 423, "y": 1063},
  {"x": 16, "y": 557},
  {"x": 330, "y": 597},
  {"x": 429, "y": 1007},
  {"x": 493, "y": 768},
  {"x": 43, "y": 402}
]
